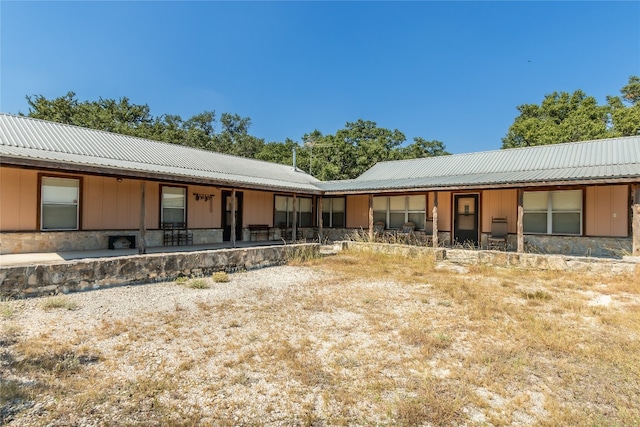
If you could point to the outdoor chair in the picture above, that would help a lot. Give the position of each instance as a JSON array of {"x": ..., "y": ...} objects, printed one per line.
[
  {"x": 170, "y": 236},
  {"x": 185, "y": 237},
  {"x": 406, "y": 232},
  {"x": 378, "y": 229},
  {"x": 499, "y": 233}
]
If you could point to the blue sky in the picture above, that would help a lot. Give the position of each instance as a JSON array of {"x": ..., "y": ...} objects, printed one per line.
[{"x": 451, "y": 71}]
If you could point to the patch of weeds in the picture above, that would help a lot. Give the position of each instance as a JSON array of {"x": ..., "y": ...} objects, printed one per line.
[
  {"x": 182, "y": 280},
  {"x": 301, "y": 254},
  {"x": 6, "y": 311},
  {"x": 537, "y": 295},
  {"x": 59, "y": 302},
  {"x": 220, "y": 277},
  {"x": 198, "y": 284}
]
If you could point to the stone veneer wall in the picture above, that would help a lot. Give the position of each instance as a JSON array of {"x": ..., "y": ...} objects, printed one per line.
[
  {"x": 65, "y": 241},
  {"x": 628, "y": 265},
  {"x": 86, "y": 274}
]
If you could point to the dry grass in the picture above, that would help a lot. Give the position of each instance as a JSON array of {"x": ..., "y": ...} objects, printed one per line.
[{"x": 371, "y": 339}]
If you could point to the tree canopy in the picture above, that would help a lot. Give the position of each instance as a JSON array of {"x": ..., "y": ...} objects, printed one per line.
[
  {"x": 569, "y": 117},
  {"x": 345, "y": 155}
]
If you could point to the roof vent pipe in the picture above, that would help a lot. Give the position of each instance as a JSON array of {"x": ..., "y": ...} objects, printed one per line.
[{"x": 295, "y": 166}]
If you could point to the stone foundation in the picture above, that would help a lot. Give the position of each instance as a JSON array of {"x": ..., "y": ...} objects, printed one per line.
[
  {"x": 86, "y": 274},
  {"x": 628, "y": 265}
]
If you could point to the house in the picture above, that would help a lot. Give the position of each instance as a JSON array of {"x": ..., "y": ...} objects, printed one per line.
[{"x": 68, "y": 188}]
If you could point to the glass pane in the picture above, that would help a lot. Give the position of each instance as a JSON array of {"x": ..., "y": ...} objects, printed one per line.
[
  {"x": 535, "y": 223},
  {"x": 306, "y": 219},
  {"x": 566, "y": 223},
  {"x": 566, "y": 200},
  {"x": 326, "y": 205},
  {"x": 535, "y": 200},
  {"x": 380, "y": 217},
  {"x": 417, "y": 203},
  {"x": 172, "y": 215},
  {"x": 59, "y": 190},
  {"x": 466, "y": 205},
  {"x": 380, "y": 204},
  {"x": 338, "y": 219},
  {"x": 59, "y": 217},
  {"x": 417, "y": 219},
  {"x": 304, "y": 205},
  {"x": 338, "y": 204},
  {"x": 396, "y": 220},
  {"x": 397, "y": 203},
  {"x": 466, "y": 222},
  {"x": 173, "y": 197},
  {"x": 326, "y": 216},
  {"x": 281, "y": 219},
  {"x": 281, "y": 203}
]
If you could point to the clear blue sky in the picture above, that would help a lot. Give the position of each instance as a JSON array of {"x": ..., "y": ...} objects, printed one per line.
[{"x": 451, "y": 71}]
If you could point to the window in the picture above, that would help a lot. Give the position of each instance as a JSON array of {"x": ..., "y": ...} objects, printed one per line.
[
  {"x": 284, "y": 211},
  {"x": 553, "y": 212},
  {"x": 394, "y": 211},
  {"x": 333, "y": 212},
  {"x": 174, "y": 203},
  {"x": 59, "y": 203}
]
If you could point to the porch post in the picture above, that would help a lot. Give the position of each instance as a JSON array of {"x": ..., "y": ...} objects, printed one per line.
[
  {"x": 142, "y": 244},
  {"x": 520, "y": 221},
  {"x": 320, "y": 224},
  {"x": 635, "y": 227},
  {"x": 371, "y": 217},
  {"x": 233, "y": 218},
  {"x": 434, "y": 238},
  {"x": 294, "y": 226}
]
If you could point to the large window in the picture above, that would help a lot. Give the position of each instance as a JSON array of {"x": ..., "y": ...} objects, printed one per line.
[
  {"x": 174, "y": 204},
  {"x": 333, "y": 212},
  {"x": 553, "y": 212},
  {"x": 59, "y": 203},
  {"x": 284, "y": 211},
  {"x": 394, "y": 211}
]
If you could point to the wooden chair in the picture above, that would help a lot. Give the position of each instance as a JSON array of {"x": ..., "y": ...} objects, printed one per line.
[
  {"x": 185, "y": 237},
  {"x": 378, "y": 230},
  {"x": 499, "y": 234},
  {"x": 406, "y": 232},
  {"x": 170, "y": 236}
]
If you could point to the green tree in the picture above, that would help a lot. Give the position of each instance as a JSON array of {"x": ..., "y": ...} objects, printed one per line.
[
  {"x": 562, "y": 117},
  {"x": 423, "y": 148},
  {"x": 625, "y": 119}
]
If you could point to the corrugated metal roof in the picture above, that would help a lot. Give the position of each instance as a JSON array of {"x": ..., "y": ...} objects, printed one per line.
[
  {"x": 24, "y": 137},
  {"x": 615, "y": 158},
  {"x": 32, "y": 139}
]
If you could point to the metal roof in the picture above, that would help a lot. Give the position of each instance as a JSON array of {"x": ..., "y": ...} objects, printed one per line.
[
  {"x": 611, "y": 159},
  {"x": 27, "y": 139}
]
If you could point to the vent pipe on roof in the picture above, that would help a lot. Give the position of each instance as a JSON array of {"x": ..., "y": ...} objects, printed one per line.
[{"x": 295, "y": 166}]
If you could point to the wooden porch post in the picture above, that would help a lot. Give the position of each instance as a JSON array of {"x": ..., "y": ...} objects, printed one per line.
[
  {"x": 233, "y": 218},
  {"x": 635, "y": 225},
  {"x": 294, "y": 226},
  {"x": 434, "y": 238},
  {"x": 142, "y": 244},
  {"x": 371, "y": 217},
  {"x": 320, "y": 224},
  {"x": 520, "y": 221}
]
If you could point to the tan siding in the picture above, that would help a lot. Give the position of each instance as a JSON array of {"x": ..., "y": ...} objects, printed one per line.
[
  {"x": 18, "y": 199},
  {"x": 357, "y": 212},
  {"x": 258, "y": 208},
  {"x": 203, "y": 213},
  {"x": 607, "y": 210},
  {"x": 152, "y": 201},
  {"x": 499, "y": 204},
  {"x": 444, "y": 210}
]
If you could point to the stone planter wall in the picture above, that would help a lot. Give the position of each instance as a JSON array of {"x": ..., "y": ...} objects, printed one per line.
[
  {"x": 627, "y": 265},
  {"x": 85, "y": 274}
]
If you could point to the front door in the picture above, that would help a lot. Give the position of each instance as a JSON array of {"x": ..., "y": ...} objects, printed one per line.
[
  {"x": 227, "y": 211},
  {"x": 465, "y": 221}
]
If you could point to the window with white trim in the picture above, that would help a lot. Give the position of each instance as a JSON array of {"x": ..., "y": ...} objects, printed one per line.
[
  {"x": 283, "y": 217},
  {"x": 59, "y": 209},
  {"x": 394, "y": 211},
  {"x": 553, "y": 212},
  {"x": 333, "y": 209},
  {"x": 174, "y": 204}
]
